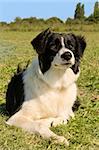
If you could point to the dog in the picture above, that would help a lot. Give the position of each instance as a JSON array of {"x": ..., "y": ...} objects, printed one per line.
[{"x": 43, "y": 94}]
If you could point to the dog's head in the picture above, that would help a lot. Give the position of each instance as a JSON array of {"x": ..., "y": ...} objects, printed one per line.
[{"x": 58, "y": 50}]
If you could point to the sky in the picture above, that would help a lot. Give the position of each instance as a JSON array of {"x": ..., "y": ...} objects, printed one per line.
[{"x": 10, "y": 9}]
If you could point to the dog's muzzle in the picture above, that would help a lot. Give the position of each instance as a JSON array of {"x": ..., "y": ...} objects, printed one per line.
[{"x": 67, "y": 58}]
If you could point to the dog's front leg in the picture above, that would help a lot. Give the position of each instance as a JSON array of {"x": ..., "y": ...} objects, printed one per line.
[
  {"x": 36, "y": 126},
  {"x": 46, "y": 133}
]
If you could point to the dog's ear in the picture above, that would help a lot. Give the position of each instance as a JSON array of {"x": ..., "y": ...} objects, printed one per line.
[
  {"x": 39, "y": 43},
  {"x": 81, "y": 44}
]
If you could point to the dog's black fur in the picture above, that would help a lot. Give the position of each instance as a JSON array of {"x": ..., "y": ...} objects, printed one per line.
[{"x": 15, "y": 91}]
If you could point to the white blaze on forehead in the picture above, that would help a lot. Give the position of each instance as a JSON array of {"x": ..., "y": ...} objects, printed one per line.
[
  {"x": 63, "y": 49},
  {"x": 62, "y": 42}
]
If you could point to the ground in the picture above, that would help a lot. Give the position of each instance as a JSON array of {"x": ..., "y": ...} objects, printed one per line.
[{"x": 82, "y": 132}]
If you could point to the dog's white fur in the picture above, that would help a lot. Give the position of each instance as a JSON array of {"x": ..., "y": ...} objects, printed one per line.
[{"x": 48, "y": 99}]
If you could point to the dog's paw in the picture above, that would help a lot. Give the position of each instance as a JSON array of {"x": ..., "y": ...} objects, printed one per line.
[
  {"x": 61, "y": 140},
  {"x": 59, "y": 121}
]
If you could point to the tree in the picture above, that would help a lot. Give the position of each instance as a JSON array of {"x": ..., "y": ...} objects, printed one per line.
[
  {"x": 17, "y": 19},
  {"x": 69, "y": 20},
  {"x": 79, "y": 11},
  {"x": 82, "y": 11},
  {"x": 96, "y": 11},
  {"x": 90, "y": 18},
  {"x": 54, "y": 20}
]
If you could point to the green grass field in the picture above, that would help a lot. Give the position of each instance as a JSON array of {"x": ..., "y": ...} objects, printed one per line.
[{"x": 81, "y": 132}]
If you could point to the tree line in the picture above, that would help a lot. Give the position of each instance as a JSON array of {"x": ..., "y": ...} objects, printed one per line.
[
  {"x": 35, "y": 23},
  {"x": 80, "y": 13}
]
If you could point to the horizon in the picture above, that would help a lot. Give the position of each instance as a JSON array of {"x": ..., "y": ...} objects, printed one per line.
[{"x": 62, "y": 9}]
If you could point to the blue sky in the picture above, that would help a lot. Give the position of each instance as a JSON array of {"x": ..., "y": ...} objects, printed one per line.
[{"x": 10, "y": 9}]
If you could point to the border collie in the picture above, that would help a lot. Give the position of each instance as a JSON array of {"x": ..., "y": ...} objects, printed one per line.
[{"x": 43, "y": 94}]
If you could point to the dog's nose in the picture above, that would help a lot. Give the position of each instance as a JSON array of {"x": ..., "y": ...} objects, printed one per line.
[{"x": 66, "y": 56}]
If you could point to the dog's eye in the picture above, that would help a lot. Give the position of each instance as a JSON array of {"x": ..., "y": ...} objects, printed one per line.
[
  {"x": 71, "y": 46},
  {"x": 53, "y": 52},
  {"x": 53, "y": 49},
  {"x": 51, "y": 58}
]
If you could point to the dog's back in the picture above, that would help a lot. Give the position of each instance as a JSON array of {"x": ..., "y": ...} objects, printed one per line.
[{"x": 15, "y": 91}]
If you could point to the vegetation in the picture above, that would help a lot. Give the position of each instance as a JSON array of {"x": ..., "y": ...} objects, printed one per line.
[
  {"x": 79, "y": 12},
  {"x": 96, "y": 11},
  {"x": 79, "y": 16}
]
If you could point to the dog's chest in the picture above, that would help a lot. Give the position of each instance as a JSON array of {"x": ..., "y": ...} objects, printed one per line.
[
  {"x": 48, "y": 104},
  {"x": 49, "y": 95}
]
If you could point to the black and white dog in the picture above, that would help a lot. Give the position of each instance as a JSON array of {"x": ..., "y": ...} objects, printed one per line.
[{"x": 43, "y": 94}]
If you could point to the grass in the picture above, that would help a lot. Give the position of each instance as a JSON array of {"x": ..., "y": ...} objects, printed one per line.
[{"x": 81, "y": 132}]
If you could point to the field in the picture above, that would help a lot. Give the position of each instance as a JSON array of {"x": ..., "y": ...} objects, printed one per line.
[{"x": 81, "y": 132}]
